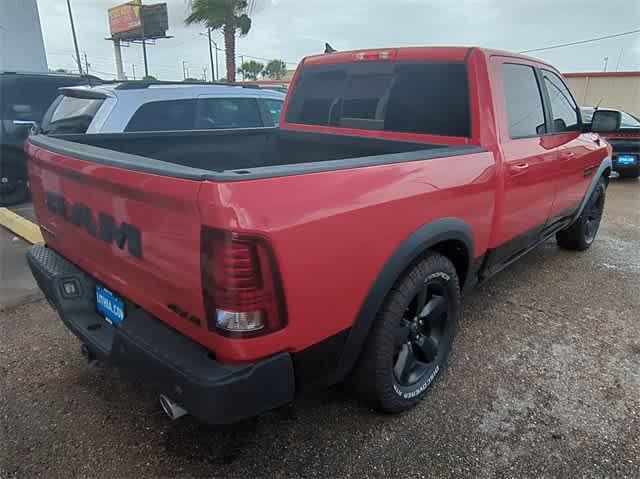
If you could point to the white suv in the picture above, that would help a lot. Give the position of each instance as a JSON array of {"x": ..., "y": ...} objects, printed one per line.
[{"x": 144, "y": 107}]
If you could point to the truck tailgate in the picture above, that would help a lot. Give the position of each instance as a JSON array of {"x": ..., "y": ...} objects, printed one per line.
[{"x": 136, "y": 233}]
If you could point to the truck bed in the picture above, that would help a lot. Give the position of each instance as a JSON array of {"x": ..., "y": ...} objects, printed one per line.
[{"x": 240, "y": 154}]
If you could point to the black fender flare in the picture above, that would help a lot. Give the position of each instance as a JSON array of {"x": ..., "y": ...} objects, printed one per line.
[
  {"x": 444, "y": 229},
  {"x": 606, "y": 163}
]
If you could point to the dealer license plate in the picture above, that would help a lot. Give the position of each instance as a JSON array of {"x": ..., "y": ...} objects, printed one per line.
[{"x": 109, "y": 305}]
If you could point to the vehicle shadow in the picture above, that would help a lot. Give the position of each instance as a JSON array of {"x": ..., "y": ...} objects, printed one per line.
[{"x": 298, "y": 438}]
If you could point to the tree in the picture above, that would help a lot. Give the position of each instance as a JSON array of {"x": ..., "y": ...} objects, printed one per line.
[
  {"x": 275, "y": 69},
  {"x": 191, "y": 79},
  {"x": 227, "y": 15},
  {"x": 251, "y": 69},
  {"x": 149, "y": 78}
]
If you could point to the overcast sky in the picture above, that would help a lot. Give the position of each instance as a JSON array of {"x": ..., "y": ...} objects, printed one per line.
[{"x": 291, "y": 29}]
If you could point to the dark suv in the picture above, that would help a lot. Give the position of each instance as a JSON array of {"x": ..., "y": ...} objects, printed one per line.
[{"x": 24, "y": 98}]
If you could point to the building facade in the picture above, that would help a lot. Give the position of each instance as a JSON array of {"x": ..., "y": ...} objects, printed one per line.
[
  {"x": 21, "y": 42},
  {"x": 619, "y": 90}
]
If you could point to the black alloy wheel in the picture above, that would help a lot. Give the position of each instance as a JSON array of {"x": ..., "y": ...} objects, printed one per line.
[
  {"x": 412, "y": 335},
  {"x": 421, "y": 334}
]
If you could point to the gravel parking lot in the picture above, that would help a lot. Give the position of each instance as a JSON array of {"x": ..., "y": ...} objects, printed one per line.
[{"x": 544, "y": 381}]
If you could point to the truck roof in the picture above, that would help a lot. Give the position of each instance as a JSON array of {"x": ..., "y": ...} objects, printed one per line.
[
  {"x": 177, "y": 90},
  {"x": 434, "y": 53}
]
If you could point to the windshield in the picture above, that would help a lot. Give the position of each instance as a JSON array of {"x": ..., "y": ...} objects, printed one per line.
[
  {"x": 70, "y": 114},
  {"x": 629, "y": 121}
]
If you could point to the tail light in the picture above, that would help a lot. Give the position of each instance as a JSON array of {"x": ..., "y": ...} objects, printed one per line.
[{"x": 241, "y": 285}]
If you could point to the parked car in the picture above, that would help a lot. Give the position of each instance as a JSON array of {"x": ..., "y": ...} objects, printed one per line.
[
  {"x": 24, "y": 98},
  {"x": 625, "y": 141},
  {"x": 232, "y": 270},
  {"x": 161, "y": 106}
]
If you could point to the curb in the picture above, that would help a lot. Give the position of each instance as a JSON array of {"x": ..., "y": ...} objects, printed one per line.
[{"x": 20, "y": 226}]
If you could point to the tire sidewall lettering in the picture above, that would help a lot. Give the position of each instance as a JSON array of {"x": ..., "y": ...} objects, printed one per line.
[
  {"x": 420, "y": 388},
  {"x": 439, "y": 274}
]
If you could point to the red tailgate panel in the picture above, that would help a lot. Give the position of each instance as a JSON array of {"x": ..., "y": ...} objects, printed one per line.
[{"x": 163, "y": 209}]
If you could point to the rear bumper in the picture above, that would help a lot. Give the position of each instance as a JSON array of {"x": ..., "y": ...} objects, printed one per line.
[{"x": 160, "y": 357}]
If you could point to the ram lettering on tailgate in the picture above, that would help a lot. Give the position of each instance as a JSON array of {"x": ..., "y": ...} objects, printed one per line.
[{"x": 104, "y": 228}]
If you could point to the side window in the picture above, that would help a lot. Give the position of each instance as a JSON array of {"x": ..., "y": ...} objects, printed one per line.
[
  {"x": 164, "y": 116},
  {"x": 274, "y": 107},
  {"x": 29, "y": 98},
  {"x": 523, "y": 100},
  {"x": 215, "y": 113},
  {"x": 563, "y": 108}
]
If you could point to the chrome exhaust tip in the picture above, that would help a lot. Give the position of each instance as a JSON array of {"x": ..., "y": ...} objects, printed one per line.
[{"x": 171, "y": 409}]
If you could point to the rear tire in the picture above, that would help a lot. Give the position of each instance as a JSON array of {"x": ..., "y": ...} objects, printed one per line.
[
  {"x": 581, "y": 234},
  {"x": 411, "y": 338},
  {"x": 14, "y": 185},
  {"x": 13, "y": 191}
]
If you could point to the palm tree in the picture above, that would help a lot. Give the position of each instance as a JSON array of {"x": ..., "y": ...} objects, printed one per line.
[
  {"x": 251, "y": 69},
  {"x": 276, "y": 69},
  {"x": 230, "y": 16}
]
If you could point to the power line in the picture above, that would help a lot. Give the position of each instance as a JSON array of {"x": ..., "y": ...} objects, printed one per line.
[
  {"x": 581, "y": 42},
  {"x": 266, "y": 59}
]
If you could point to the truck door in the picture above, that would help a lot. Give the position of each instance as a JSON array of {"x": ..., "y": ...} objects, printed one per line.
[
  {"x": 579, "y": 154},
  {"x": 524, "y": 203}
]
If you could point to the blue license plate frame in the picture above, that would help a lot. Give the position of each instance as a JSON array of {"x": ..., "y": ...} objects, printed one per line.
[{"x": 110, "y": 305}]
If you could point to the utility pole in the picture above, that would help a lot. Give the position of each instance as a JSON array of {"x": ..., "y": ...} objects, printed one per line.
[
  {"x": 133, "y": 66},
  {"x": 242, "y": 63},
  {"x": 118, "y": 58},
  {"x": 606, "y": 60},
  {"x": 204, "y": 73},
  {"x": 619, "y": 59},
  {"x": 185, "y": 70},
  {"x": 75, "y": 39},
  {"x": 86, "y": 63},
  {"x": 144, "y": 43},
  {"x": 213, "y": 72}
]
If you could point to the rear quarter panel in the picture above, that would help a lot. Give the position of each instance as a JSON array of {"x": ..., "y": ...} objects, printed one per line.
[{"x": 332, "y": 232}]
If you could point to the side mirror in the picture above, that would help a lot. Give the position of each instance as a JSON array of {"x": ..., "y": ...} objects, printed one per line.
[{"x": 605, "y": 121}]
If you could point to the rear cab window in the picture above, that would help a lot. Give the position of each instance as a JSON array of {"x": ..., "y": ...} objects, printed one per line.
[{"x": 428, "y": 97}]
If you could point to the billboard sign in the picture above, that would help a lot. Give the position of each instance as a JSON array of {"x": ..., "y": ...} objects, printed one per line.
[
  {"x": 125, "y": 18},
  {"x": 133, "y": 21}
]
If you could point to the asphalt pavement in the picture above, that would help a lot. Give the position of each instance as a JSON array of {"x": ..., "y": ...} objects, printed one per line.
[{"x": 544, "y": 381}]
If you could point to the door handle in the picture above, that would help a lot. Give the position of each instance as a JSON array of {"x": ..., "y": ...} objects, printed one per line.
[
  {"x": 569, "y": 155},
  {"x": 518, "y": 169}
]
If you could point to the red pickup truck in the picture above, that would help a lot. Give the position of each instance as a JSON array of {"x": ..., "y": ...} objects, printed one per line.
[{"x": 232, "y": 270}]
